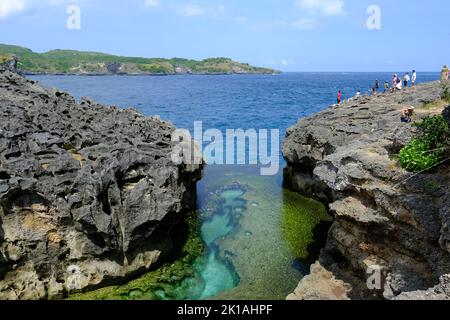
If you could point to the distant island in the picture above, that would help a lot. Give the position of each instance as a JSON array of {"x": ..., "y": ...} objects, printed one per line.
[{"x": 71, "y": 62}]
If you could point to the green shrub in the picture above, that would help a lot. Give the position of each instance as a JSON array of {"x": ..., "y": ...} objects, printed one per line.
[
  {"x": 445, "y": 95},
  {"x": 427, "y": 150},
  {"x": 4, "y": 58},
  {"x": 435, "y": 131}
]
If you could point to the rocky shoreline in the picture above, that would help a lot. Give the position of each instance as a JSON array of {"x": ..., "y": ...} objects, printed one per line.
[
  {"x": 388, "y": 222},
  {"x": 89, "y": 195}
]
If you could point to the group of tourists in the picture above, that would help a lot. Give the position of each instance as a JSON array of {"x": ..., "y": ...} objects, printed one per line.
[
  {"x": 397, "y": 84},
  {"x": 408, "y": 112}
]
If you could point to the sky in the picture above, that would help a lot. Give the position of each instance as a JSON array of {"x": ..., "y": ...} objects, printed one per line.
[{"x": 288, "y": 35}]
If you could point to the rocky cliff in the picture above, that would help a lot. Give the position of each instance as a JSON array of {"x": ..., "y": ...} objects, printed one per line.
[
  {"x": 9, "y": 62},
  {"x": 89, "y": 195},
  {"x": 391, "y": 227}
]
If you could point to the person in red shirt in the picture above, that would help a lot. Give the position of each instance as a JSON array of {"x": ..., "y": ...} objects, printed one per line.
[{"x": 339, "y": 97}]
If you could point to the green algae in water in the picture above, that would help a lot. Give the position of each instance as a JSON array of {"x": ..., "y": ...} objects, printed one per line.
[
  {"x": 299, "y": 217},
  {"x": 178, "y": 280}
]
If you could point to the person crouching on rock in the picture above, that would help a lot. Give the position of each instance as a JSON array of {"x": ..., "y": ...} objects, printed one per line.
[{"x": 407, "y": 114}]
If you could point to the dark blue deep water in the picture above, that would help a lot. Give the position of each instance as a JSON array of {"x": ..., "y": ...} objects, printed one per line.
[
  {"x": 248, "y": 236},
  {"x": 234, "y": 101}
]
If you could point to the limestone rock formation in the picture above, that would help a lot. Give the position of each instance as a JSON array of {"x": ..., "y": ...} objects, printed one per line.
[
  {"x": 320, "y": 284},
  {"x": 88, "y": 194},
  {"x": 388, "y": 222},
  {"x": 439, "y": 292}
]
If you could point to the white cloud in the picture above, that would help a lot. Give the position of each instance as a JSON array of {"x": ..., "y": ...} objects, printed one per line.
[
  {"x": 192, "y": 10},
  {"x": 241, "y": 19},
  {"x": 152, "y": 3},
  {"x": 288, "y": 63},
  {"x": 323, "y": 7},
  {"x": 8, "y": 7},
  {"x": 304, "y": 24}
]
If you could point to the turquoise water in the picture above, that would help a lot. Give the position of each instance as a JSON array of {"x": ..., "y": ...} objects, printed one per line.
[
  {"x": 218, "y": 276},
  {"x": 242, "y": 213},
  {"x": 248, "y": 255}
]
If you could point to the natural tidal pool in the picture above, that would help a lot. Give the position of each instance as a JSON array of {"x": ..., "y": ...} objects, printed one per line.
[{"x": 259, "y": 232}]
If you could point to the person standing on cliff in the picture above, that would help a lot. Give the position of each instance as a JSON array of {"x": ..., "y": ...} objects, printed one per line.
[
  {"x": 339, "y": 97},
  {"x": 444, "y": 73},
  {"x": 406, "y": 80},
  {"x": 399, "y": 85},
  {"x": 386, "y": 86},
  {"x": 414, "y": 78},
  {"x": 394, "y": 82},
  {"x": 377, "y": 87}
]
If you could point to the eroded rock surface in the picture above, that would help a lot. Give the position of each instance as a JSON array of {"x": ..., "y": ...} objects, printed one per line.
[
  {"x": 320, "y": 284},
  {"x": 88, "y": 194},
  {"x": 387, "y": 221}
]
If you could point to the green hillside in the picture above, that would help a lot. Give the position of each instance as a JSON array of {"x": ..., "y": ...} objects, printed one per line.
[{"x": 77, "y": 62}]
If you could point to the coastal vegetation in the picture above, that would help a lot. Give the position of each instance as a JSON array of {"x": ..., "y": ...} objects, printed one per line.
[
  {"x": 77, "y": 62},
  {"x": 445, "y": 96},
  {"x": 4, "y": 58},
  {"x": 428, "y": 149}
]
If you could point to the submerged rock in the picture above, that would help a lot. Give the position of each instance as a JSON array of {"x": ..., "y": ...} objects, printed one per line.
[
  {"x": 386, "y": 219},
  {"x": 88, "y": 194}
]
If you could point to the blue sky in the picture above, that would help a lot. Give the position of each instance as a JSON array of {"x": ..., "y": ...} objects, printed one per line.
[{"x": 290, "y": 35}]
